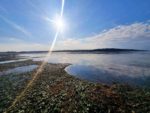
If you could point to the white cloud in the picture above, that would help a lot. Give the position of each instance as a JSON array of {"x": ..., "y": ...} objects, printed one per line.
[
  {"x": 126, "y": 34},
  {"x": 136, "y": 35}
]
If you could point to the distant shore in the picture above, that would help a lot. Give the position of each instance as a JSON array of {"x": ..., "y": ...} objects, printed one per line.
[
  {"x": 56, "y": 91},
  {"x": 103, "y": 50},
  {"x": 14, "y": 55}
]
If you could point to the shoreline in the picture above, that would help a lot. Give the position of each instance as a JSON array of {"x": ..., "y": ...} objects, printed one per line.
[{"x": 56, "y": 91}]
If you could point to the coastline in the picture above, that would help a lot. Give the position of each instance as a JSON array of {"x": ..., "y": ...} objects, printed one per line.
[{"x": 56, "y": 91}]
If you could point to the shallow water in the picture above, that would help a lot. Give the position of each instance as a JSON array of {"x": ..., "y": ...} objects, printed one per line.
[
  {"x": 11, "y": 61},
  {"x": 19, "y": 70},
  {"x": 131, "y": 68}
]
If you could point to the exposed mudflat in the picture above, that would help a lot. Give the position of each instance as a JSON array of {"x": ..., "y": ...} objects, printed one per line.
[{"x": 55, "y": 91}]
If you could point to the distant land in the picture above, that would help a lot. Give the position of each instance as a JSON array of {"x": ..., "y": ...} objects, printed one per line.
[{"x": 103, "y": 50}]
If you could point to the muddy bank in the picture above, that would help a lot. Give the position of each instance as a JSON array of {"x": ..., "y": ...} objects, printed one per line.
[
  {"x": 56, "y": 91},
  {"x": 8, "y": 56}
]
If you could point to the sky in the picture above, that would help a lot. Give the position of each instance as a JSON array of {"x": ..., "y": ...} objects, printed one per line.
[{"x": 88, "y": 24}]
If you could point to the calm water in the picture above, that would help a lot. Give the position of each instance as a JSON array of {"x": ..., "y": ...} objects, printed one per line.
[
  {"x": 19, "y": 70},
  {"x": 129, "y": 68},
  {"x": 11, "y": 61}
]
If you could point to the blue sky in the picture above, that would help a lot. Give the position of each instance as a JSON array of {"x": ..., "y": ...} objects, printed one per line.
[{"x": 89, "y": 24}]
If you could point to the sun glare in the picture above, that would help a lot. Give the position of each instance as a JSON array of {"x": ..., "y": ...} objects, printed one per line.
[{"x": 59, "y": 24}]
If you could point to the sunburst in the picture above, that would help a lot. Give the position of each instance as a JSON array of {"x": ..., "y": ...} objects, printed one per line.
[{"x": 59, "y": 25}]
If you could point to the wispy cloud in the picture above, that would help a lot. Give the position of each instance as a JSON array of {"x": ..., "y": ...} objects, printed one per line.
[
  {"x": 11, "y": 39},
  {"x": 17, "y": 44},
  {"x": 136, "y": 35},
  {"x": 22, "y": 46},
  {"x": 16, "y": 26},
  {"x": 122, "y": 34}
]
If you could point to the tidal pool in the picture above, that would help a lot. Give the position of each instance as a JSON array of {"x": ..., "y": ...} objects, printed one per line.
[
  {"x": 11, "y": 61},
  {"x": 19, "y": 70},
  {"x": 116, "y": 74}
]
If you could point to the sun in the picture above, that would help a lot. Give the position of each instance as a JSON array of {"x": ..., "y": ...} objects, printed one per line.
[{"x": 59, "y": 24}]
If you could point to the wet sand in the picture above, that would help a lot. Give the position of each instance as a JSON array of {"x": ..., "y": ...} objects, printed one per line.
[{"x": 55, "y": 91}]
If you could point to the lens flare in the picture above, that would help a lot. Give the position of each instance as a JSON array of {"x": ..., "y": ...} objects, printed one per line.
[
  {"x": 58, "y": 22},
  {"x": 59, "y": 25}
]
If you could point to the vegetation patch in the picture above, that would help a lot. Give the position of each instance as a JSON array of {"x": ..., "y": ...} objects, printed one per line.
[{"x": 54, "y": 91}]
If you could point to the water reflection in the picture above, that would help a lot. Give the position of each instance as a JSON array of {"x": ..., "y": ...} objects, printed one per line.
[
  {"x": 131, "y": 68},
  {"x": 11, "y": 61},
  {"x": 19, "y": 70},
  {"x": 109, "y": 75}
]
